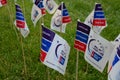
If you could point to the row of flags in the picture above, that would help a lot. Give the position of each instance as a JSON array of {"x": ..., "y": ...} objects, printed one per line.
[{"x": 55, "y": 50}]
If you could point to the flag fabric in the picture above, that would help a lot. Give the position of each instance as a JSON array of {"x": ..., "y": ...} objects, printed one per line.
[
  {"x": 38, "y": 11},
  {"x": 99, "y": 16},
  {"x": 20, "y": 22},
  {"x": 3, "y": 2},
  {"x": 50, "y": 6},
  {"x": 114, "y": 63},
  {"x": 98, "y": 51},
  {"x": 82, "y": 35},
  {"x": 89, "y": 19},
  {"x": 99, "y": 20},
  {"x": 118, "y": 38},
  {"x": 54, "y": 50},
  {"x": 60, "y": 19},
  {"x": 96, "y": 19}
]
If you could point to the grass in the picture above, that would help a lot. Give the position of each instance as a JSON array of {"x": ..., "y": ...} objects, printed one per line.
[{"x": 11, "y": 61}]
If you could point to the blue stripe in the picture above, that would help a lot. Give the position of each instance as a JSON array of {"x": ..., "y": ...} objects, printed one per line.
[
  {"x": 65, "y": 12},
  {"x": 40, "y": 5},
  {"x": 99, "y": 15},
  {"x": 81, "y": 37},
  {"x": 45, "y": 45},
  {"x": 19, "y": 14},
  {"x": 20, "y": 18}
]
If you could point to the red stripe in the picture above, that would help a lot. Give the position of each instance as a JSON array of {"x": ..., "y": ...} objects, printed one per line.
[
  {"x": 66, "y": 19},
  {"x": 20, "y": 24},
  {"x": 80, "y": 46},
  {"x": 42, "y": 56},
  {"x": 98, "y": 22},
  {"x": 3, "y": 2},
  {"x": 43, "y": 11}
]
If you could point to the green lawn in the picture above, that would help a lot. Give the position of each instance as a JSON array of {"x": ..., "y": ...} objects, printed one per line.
[{"x": 11, "y": 59}]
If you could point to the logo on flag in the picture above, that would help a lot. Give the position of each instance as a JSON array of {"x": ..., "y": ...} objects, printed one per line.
[
  {"x": 20, "y": 22},
  {"x": 96, "y": 49},
  {"x": 50, "y": 6},
  {"x": 3, "y": 2},
  {"x": 60, "y": 19},
  {"x": 82, "y": 35},
  {"x": 54, "y": 50},
  {"x": 99, "y": 17}
]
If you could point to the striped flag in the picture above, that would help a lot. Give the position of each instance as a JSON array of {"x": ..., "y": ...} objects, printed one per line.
[
  {"x": 54, "y": 50},
  {"x": 50, "y": 6},
  {"x": 20, "y": 22},
  {"x": 3, "y": 2},
  {"x": 96, "y": 19},
  {"x": 82, "y": 35},
  {"x": 60, "y": 19},
  {"x": 65, "y": 15},
  {"x": 38, "y": 11},
  {"x": 99, "y": 17}
]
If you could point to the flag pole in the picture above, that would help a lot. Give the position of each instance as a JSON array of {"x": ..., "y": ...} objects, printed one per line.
[
  {"x": 77, "y": 61},
  {"x": 22, "y": 45},
  {"x": 23, "y": 55}
]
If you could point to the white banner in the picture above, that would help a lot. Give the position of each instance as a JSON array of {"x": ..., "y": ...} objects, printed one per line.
[{"x": 98, "y": 51}]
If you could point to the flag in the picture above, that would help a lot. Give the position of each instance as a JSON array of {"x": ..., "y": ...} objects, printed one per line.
[
  {"x": 99, "y": 17},
  {"x": 38, "y": 11},
  {"x": 99, "y": 20},
  {"x": 114, "y": 63},
  {"x": 96, "y": 19},
  {"x": 20, "y": 22},
  {"x": 54, "y": 51},
  {"x": 98, "y": 51},
  {"x": 50, "y": 6},
  {"x": 60, "y": 19},
  {"x": 89, "y": 19},
  {"x": 82, "y": 35},
  {"x": 117, "y": 38},
  {"x": 3, "y": 2}
]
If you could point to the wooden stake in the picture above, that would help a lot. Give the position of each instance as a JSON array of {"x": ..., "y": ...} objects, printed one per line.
[
  {"x": 23, "y": 55},
  {"x": 77, "y": 60}
]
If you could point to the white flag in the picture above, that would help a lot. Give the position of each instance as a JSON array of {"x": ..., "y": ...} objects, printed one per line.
[
  {"x": 60, "y": 19},
  {"x": 50, "y": 6},
  {"x": 54, "y": 51},
  {"x": 89, "y": 19},
  {"x": 35, "y": 14},
  {"x": 98, "y": 51},
  {"x": 114, "y": 64}
]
